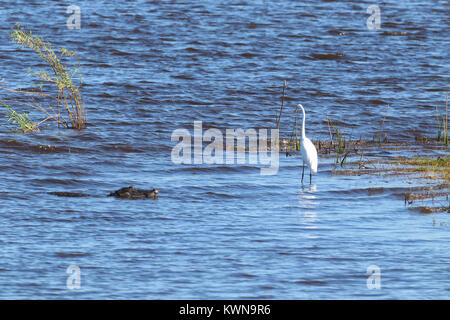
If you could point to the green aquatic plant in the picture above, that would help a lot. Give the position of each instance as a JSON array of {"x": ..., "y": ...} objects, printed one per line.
[
  {"x": 68, "y": 94},
  {"x": 21, "y": 120},
  {"x": 442, "y": 120},
  {"x": 438, "y": 168},
  {"x": 278, "y": 118},
  {"x": 382, "y": 136},
  {"x": 338, "y": 141}
]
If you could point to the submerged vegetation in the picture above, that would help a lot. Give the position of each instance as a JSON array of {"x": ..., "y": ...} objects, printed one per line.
[
  {"x": 381, "y": 135},
  {"x": 65, "y": 96},
  {"x": 338, "y": 141},
  {"x": 438, "y": 168},
  {"x": 278, "y": 118},
  {"x": 442, "y": 120},
  {"x": 21, "y": 120}
]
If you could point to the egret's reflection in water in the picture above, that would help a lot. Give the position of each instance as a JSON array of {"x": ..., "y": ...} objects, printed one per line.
[{"x": 308, "y": 203}]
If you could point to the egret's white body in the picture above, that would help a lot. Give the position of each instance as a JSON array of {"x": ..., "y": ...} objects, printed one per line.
[{"x": 308, "y": 150}]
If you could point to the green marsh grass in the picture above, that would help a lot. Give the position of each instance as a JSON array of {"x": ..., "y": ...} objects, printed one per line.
[
  {"x": 20, "y": 120},
  {"x": 442, "y": 120},
  {"x": 278, "y": 118},
  {"x": 338, "y": 141},
  {"x": 382, "y": 136},
  {"x": 67, "y": 94},
  {"x": 438, "y": 168}
]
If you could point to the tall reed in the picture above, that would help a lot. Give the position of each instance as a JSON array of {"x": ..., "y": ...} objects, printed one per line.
[
  {"x": 67, "y": 96},
  {"x": 382, "y": 136},
  {"x": 21, "y": 120},
  {"x": 442, "y": 121},
  {"x": 282, "y": 105},
  {"x": 338, "y": 140}
]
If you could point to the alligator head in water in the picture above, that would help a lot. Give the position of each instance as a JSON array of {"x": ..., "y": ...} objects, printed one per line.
[{"x": 133, "y": 193}]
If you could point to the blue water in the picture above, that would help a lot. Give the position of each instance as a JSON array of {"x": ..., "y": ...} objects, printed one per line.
[{"x": 223, "y": 231}]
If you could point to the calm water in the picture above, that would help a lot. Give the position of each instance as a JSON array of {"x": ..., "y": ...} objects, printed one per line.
[{"x": 223, "y": 231}]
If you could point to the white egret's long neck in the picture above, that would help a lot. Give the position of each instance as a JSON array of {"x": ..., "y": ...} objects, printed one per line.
[{"x": 303, "y": 125}]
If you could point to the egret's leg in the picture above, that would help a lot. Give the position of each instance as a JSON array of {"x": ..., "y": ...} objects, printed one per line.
[
  {"x": 310, "y": 176},
  {"x": 303, "y": 171}
]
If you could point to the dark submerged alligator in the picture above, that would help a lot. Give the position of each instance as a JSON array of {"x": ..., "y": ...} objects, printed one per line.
[{"x": 130, "y": 193}]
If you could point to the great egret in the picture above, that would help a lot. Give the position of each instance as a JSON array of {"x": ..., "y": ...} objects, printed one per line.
[{"x": 309, "y": 152}]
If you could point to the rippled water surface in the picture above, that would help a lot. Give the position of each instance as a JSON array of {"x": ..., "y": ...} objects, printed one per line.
[{"x": 222, "y": 231}]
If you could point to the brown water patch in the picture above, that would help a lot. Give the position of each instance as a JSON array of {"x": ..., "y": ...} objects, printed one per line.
[
  {"x": 428, "y": 210},
  {"x": 409, "y": 197},
  {"x": 328, "y": 56},
  {"x": 312, "y": 282},
  {"x": 68, "y": 194}
]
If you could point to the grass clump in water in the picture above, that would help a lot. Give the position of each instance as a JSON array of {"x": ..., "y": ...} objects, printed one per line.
[
  {"x": 338, "y": 141},
  {"x": 67, "y": 96},
  {"x": 21, "y": 120},
  {"x": 442, "y": 120},
  {"x": 381, "y": 135},
  {"x": 438, "y": 168}
]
